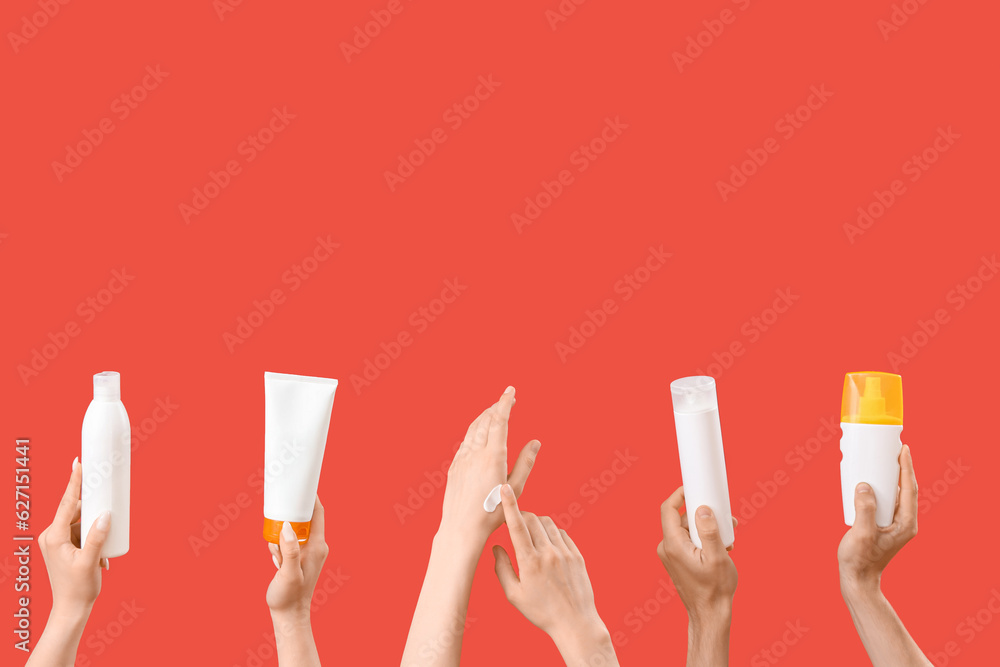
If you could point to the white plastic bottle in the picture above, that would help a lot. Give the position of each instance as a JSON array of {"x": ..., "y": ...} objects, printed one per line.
[
  {"x": 871, "y": 417},
  {"x": 703, "y": 462},
  {"x": 106, "y": 461}
]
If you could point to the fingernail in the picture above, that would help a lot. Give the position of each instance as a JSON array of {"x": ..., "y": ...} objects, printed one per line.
[
  {"x": 704, "y": 512},
  {"x": 104, "y": 521},
  {"x": 509, "y": 390},
  {"x": 274, "y": 559},
  {"x": 287, "y": 532},
  {"x": 535, "y": 446},
  {"x": 107, "y": 564},
  {"x": 507, "y": 491},
  {"x": 864, "y": 488},
  {"x": 76, "y": 462}
]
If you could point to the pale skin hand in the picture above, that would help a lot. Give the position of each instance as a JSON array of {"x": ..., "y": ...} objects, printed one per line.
[
  {"x": 705, "y": 579},
  {"x": 289, "y": 595},
  {"x": 552, "y": 588},
  {"x": 435, "y": 638},
  {"x": 864, "y": 553},
  {"x": 74, "y": 575}
]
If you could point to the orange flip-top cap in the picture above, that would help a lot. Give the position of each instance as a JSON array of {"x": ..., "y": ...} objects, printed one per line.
[
  {"x": 272, "y": 530},
  {"x": 872, "y": 398}
]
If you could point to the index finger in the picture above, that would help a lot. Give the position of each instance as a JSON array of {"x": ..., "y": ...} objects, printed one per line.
[
  {"x": 498, "y": 427},
  {"x": 907, "y": 488},
  {"x": 670, "y": 517},
  {"x": 519, "y": 535},
  {"x": 67, "y": 506},
  {"x": 317, "y": 527}
]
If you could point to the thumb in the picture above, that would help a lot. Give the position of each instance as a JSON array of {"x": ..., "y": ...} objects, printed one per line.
[
  {"x": 291, "y": 552},
  {"x": 864, "y": 508},
  {"x": 708, "y": 531},
  {"x": 96, "y": 537},
  {"x": 505, "y": 572}
]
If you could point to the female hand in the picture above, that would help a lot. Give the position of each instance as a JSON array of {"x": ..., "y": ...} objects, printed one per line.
[
  {"x": 552, "y": 588},
  {"x": 74, "y": 573},
  {"x": 299, "y": 565},
  {"x": 479, "y": 466}
]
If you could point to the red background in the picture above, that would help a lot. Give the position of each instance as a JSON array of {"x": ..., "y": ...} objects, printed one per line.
[{"x": 656, "y": 184}]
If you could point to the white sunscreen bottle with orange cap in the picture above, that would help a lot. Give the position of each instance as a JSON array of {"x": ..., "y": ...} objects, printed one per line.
[
  {"x": 871, "y": 418},
  {"x": 703, "y": 461}
]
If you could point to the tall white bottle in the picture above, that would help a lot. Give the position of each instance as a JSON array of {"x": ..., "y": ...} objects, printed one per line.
[
  {"x": 871, "y": 417},
  {"x": 106, "y": 460},
  {"x": 703, "y": 462}
]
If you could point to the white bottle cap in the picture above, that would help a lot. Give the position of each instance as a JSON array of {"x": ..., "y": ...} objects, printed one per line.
[
  {"x": 108, "y": 384},
  {"x": 694, "y": 394}
]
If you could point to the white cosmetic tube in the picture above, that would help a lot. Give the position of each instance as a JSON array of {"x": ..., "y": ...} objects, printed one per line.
[
  {"x": 297, "y": 411},
  {"x": 703, "y": 462}
]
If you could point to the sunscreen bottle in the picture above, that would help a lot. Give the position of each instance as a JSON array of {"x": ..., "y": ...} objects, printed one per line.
[
  {"x": 703, "y": 462},
  {"x": 871, "y": 418},
  {"x": 106, "y": 461}
]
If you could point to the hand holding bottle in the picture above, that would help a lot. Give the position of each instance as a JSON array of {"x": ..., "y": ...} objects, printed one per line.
[
  {"x": 867, "y": 549},
  {"x": 289, "y": 596},
  {"x": 705, "y": 579},
  {"x": 74, "y": 575},
  {"x": 863, "y": 554},
  {"x": 552, "y": 588}
]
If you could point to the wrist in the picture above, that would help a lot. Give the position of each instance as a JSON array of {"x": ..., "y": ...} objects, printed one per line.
[
  {"x": 455, "y": 541},
  {"x": 580, "y": 642},
  {"x": 70, "y": 613},
  {"x": 291, "y": 622},
  {"x": 856, "y": 586},
  {"x": 712, "y": 618}
]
